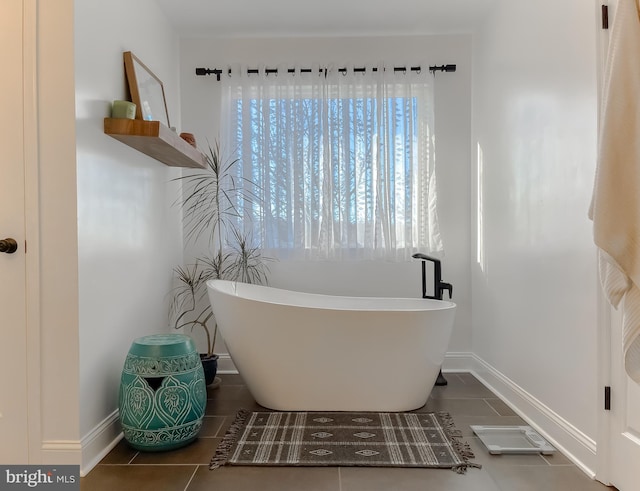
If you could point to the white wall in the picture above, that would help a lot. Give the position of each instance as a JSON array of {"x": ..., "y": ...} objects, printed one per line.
[
  {"x": 129, "y": 235},
  {"x": 534, "y": 293},
  {"x": 200, "y": 113},
  {"x": 534, "y": 110}
]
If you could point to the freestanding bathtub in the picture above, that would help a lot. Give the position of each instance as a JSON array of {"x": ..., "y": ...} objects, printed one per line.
[{"x": 310, "y": 352}]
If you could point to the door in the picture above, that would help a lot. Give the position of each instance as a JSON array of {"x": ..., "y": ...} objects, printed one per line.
[
  {"x": 621, "y": 451},
  {"x": 13, "y": 331}
]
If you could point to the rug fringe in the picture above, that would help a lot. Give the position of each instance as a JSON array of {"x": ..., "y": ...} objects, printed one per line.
[
  {"x": 462, "y": 447},
  {"x": 224, "y": 448},
  {"x": 462, "y": 469}
]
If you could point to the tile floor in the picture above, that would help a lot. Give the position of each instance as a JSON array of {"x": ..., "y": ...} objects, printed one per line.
[{"x": 465, "y": 398}]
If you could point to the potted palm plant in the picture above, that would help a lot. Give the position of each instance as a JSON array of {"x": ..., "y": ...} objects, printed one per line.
[{"x": 209, "y": 208}]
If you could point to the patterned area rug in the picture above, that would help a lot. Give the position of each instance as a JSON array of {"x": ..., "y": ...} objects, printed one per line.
[{"x": 427, "y": 440}]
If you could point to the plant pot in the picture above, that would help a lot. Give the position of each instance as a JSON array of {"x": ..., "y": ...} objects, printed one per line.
[{"x": 210, "y": 367}]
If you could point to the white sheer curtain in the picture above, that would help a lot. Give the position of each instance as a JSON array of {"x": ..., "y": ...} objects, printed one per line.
[{"x": 343, "y": 160}]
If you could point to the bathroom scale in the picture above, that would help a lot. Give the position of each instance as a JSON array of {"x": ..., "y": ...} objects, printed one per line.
[{"x": 512, "y": 440}]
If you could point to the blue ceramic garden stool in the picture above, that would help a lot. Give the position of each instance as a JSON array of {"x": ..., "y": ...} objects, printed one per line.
[{"x": 162, "y": 393}]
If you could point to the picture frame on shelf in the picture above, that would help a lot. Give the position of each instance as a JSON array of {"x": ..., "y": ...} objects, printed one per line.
[{"x": 147, "y": 91}]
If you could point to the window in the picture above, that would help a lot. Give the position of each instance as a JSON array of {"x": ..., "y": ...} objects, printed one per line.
[{"x": 343, "y": 163}]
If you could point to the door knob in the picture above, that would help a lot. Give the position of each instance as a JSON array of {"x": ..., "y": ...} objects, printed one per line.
[{"x": 8, "y": 245}]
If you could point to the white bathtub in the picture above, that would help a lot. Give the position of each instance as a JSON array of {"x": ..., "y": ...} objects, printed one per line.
[{"x": 308, "y": 352}]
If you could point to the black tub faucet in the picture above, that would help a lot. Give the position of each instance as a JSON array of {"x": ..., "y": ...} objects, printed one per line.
[{"x": 439, "y": 286}]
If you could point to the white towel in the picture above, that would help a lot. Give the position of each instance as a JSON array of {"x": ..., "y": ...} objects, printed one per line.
[{"x": 615, "y": 207}]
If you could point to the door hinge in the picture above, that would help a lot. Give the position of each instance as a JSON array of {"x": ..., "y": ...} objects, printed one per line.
[
  {"x": 605, "y": 17},
  {"x": 607, "y": 398}
]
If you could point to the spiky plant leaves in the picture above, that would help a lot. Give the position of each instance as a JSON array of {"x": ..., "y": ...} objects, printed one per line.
[{"x": 209, "y": 208}]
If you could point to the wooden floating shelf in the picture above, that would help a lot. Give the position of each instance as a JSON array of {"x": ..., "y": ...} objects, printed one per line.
[{"x": 155, "y": 140}]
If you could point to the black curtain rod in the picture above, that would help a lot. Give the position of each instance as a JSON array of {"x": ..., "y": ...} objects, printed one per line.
[{"x": 434, "y": 68}]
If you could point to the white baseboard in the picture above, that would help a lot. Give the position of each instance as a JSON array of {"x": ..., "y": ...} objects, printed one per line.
[
  {"x": 225, "y": 364},
  {"x": 60, "y": 452},
  {"x": 99, "y": 442},
  {"x": 457, "y": 362},
  {"x": 573, "y": 443}
]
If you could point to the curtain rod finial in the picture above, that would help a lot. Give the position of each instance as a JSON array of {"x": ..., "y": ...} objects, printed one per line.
[{"x": 209, "y": 71}]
